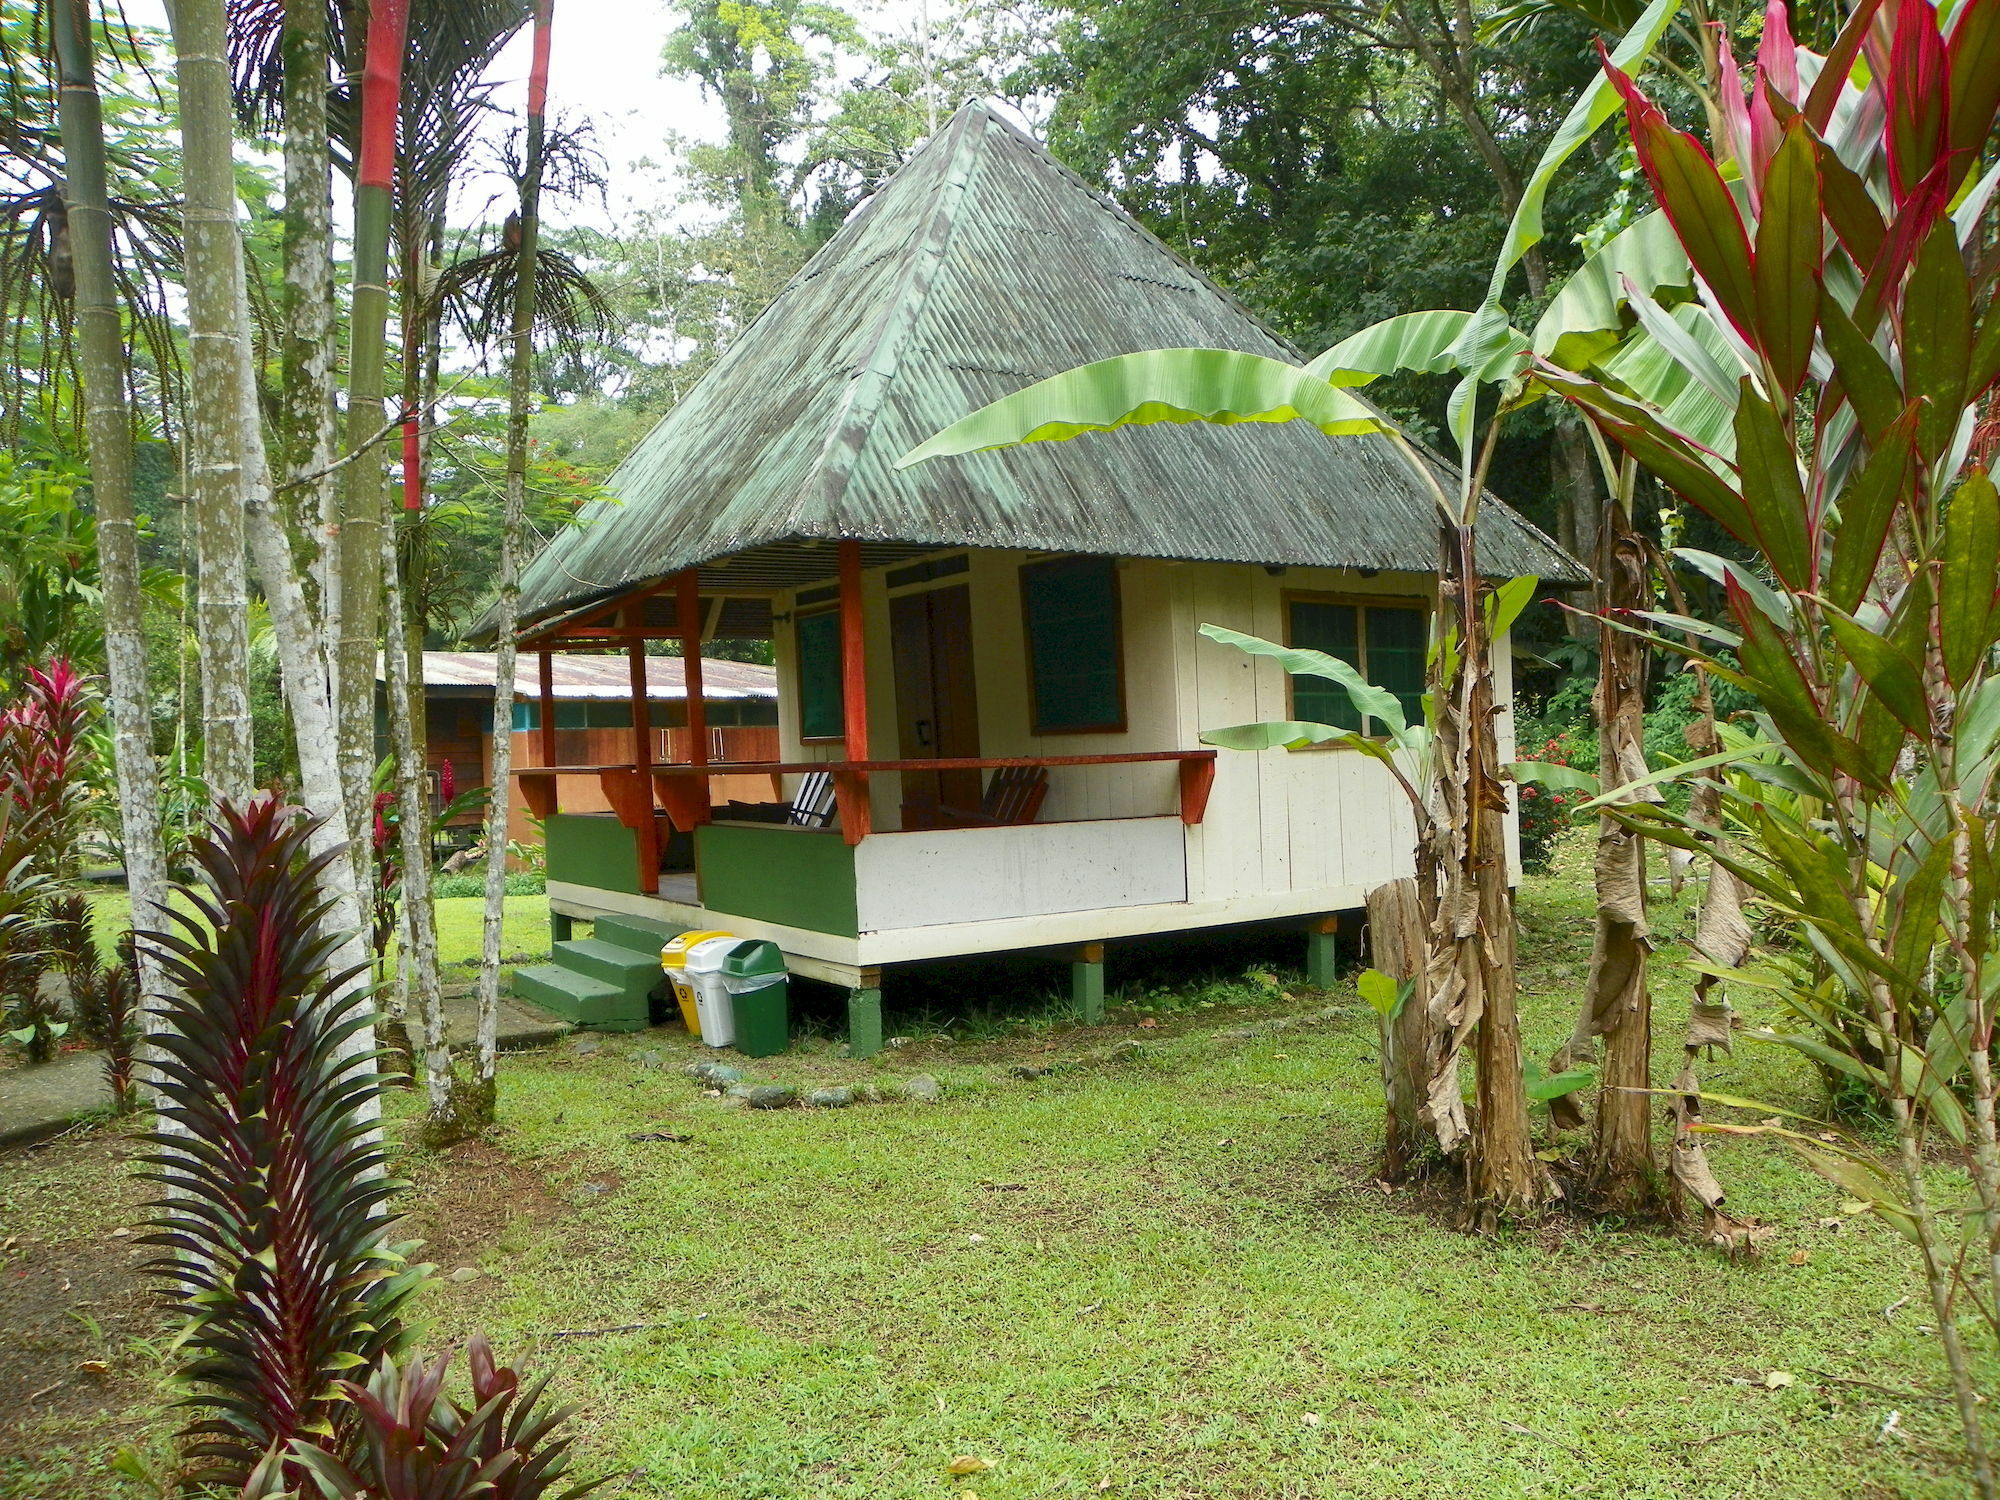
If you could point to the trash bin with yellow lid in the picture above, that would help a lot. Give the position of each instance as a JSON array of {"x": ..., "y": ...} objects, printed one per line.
[{"x": 673, "y": 958}]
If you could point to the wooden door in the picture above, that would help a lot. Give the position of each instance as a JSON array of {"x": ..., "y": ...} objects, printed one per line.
[{"x": 937, "y": 703}]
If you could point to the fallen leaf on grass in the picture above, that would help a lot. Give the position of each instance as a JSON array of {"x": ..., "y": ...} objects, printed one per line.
[
  {"x": 967, "y": 1464},
  {"x": 1148, "y": 1022},
  {"x": 93, "y": 1366},
  {"x": 1800, "y": 1257},
  {"x": 1778, "y": 1379},
  {"x": 658, "y": 1135},
  {"x": 1309, "y": 1418}
]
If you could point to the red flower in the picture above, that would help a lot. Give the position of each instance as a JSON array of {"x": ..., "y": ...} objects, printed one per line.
[{"x": 447, "y": 783}]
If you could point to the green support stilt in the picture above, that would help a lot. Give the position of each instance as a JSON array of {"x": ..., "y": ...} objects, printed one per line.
[
  {"x": 1086, "y": 983},
  {"x": 562, "y": 927},
  {"x": 1322, "y": 952},
  {"x": 864, "y": 1021}
]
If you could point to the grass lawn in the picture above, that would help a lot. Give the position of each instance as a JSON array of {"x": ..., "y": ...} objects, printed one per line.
[{"x": 1169, "y": 1274}]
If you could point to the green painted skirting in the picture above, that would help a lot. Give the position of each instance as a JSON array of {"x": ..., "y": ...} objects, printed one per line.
[
  {"x": 594, "y": 849},
  {"x": 787, "y": 875}
]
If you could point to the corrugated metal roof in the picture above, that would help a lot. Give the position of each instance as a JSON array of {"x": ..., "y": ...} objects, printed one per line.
[
  {"x": 979, "y": 267},
  {"x": 601, "y": 677}
]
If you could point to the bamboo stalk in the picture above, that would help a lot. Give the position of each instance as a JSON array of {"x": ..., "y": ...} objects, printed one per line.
[
  {"x": 520, "y": 389},
  {"x": 104, "y": 372}
]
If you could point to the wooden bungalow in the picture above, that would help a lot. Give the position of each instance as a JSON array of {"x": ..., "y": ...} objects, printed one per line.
[
  {"x": 593, "y": 721},
  {"x": 991, "y": 685}
]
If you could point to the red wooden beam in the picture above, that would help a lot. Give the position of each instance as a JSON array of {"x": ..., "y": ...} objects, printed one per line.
[
  {"x": 547, "y": 710},
  {"x": 687, "y": 590},
  {"x": 1197, "y": 778},
  {"x": 642, "y": 763},
  {"x": 851, "y": 788}
]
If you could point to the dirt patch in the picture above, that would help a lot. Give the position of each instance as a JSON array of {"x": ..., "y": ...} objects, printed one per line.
[
  {"x": 73, "y": 1301},
  {"x": 475, "y": 1199}
]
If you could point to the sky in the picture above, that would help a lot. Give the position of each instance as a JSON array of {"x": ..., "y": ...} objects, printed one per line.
[{"x": 604, "y": 63}]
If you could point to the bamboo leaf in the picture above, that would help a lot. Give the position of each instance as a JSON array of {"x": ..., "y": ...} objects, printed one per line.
[{"x": 1158, "y": 385}]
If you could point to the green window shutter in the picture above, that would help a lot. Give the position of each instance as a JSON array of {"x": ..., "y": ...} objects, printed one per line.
[
  {"x": 1076, "y": 668},
  {"x": 1397, "y": 646},
  {"x": 1319, "y": 626},
  {"x": 821, "y": 715}
]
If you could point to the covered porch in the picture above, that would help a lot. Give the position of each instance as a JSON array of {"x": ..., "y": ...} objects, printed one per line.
[{"x": 975, "y": 856}]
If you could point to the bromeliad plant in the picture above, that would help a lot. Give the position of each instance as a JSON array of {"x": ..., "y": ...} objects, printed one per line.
[
  {"x": 413, "y": 1441},
  {"x": 1839, "y": 336},
  {"x": 280, "y": 1252}
]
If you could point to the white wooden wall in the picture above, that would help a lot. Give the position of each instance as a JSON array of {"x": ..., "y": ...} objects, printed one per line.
[{"x": 1278, "y": 821}]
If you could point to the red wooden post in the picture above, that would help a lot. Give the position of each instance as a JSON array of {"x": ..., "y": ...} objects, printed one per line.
[
  {"x": 547, "y": 713},
  {"x": 688, "y": 591},
  {"x": 642, "y": 762},
  {"x": 1197, "y": 777},
  {"x": 856, "y": 812}
]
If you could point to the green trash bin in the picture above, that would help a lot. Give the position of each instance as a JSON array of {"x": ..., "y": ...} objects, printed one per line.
[{"x": 759, "y": 997}]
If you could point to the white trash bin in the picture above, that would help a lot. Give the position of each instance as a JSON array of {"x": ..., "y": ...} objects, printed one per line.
[{"x": 711, "y": 989}]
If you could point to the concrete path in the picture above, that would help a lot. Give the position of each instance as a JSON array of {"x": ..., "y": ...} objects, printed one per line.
[{"x": 36, "y": 1103}]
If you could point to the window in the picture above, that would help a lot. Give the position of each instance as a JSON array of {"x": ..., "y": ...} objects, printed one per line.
[
  {"x": 1076, "y": 668},
  {"x": 821, "y": 715},
  {"x": 1385, "y": 642}
]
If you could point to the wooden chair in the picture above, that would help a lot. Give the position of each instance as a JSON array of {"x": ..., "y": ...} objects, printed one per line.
[
  {"x": 813, "y": 807},
  {"x": 1014, "y": 795}
]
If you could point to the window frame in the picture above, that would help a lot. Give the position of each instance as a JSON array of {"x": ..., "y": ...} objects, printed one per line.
[
  {"x": 1035, "y": 725},
  {"x": 799, "y": 617},
  {"x": 1423, "y": 604}
]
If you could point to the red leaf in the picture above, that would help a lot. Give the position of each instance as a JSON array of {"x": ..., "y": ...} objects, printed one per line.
[
  {"x": 1839, "y": 65},
  {"x": 1913, "y": 222},
  {"x": 1918, "y": 90},
  {"x": 1778, "y": 54},
  {"x": 1699, "y": 206},
  {"x": 1974, "y": 54},
  {"x": 1790, "y": 247},
  {"x": 1736, "y": 122}
]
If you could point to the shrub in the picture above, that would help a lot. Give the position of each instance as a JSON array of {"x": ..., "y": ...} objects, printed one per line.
[{"x": 1545, "y": 811}]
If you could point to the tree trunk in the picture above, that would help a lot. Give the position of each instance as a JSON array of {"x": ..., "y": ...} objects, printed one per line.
[
  {"x": 520, "y": 390},
  {"x": 1471, "y": 961},
  {"x": 104, "y": 370},
  {"x": 360, "y": 560},
  {"x": 1397, "y": 924},
  {"x": 419, "y": 927},
  {"x": 1623, "y": 1174},
  {"x": 306, "y": 403},
  {"x": 214, "y": 405}
]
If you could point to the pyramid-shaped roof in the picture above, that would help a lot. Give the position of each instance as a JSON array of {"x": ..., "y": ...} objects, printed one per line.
[{"x": 981, "y": 266}]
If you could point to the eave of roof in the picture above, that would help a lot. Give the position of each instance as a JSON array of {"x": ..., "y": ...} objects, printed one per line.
[{"x": 981, "y": 266}]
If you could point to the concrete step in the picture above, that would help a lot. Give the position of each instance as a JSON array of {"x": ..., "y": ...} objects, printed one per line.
[
  {"x": 594, "y": 1004},
  {"x": 635, "y": 973},
  {"x": 640, "y": 934}
]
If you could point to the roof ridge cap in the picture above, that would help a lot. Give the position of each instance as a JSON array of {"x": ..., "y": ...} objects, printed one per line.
[{"x": 878, "y": 365}]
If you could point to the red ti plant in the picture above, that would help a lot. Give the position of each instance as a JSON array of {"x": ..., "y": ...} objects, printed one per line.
[
  {"x": 412, "y": 1441},
  {"x": 1841, "y": 335},
  {"x": 280, "y": 1254},
  {"x": 44, "y": 748}
]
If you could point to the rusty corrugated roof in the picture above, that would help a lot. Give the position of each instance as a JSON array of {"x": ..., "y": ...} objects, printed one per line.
[
  {"x": 979, "y": 267},
  {"x": 601, "y": 677}
]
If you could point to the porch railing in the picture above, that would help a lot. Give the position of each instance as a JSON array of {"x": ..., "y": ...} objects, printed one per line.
[{"x": 681, "y": 791}]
